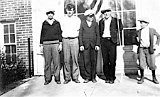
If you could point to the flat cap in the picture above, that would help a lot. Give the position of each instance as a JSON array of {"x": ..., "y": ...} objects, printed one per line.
[
  {"x": 144, "y": 19},
  {"x": 89, "y": 12},
  {"x": 50, "y": 12},
  {"x": 105, "y": 10}
]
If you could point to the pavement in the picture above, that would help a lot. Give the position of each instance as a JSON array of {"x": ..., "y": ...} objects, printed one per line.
[{"x": 124, "y": 86}]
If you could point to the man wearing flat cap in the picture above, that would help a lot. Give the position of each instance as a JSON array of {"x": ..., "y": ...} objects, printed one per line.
[
  {"x": 71, "y": 26},
  {"x": 89, "y": 45},
  {"x": 109, "y": 28},
  {"x": 146, "y": 48},
  {"x": 51, "y": 40}
]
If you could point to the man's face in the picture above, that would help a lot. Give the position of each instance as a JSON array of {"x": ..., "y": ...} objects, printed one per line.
[
  {"x": 143, "y": 24},
  {"x": 107, "y": 15},
  {"x": 70, "y": 12},
  {"x": 90, "y": 18},
  {"x": 50, "y": 16}
]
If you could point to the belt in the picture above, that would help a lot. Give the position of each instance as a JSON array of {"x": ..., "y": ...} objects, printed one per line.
[
  {"x": 144, "y": 47},
  {"x": 70, "y": 37},
  {"x": 106, "y": 38}
]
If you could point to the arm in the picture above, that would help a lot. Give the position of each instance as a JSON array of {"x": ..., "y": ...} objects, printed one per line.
[
  {"x": 158, "y": 37},
  {"x": 42, "y": 34},
  {"x": 97, "y": 35},
  {"x": 81, "y": 34}
]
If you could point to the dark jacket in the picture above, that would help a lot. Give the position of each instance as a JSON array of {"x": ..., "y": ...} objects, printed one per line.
[
  {"x": 114, "y": 29},
  {"x": 89, "y": 35},
  {"x": 51, "y": 32},
  {"x": 152, "y": 32}
]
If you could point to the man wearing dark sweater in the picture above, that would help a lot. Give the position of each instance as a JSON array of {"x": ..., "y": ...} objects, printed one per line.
[{"x": 51, "y": 40}]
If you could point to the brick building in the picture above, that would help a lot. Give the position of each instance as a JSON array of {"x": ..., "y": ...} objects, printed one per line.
[{"x": 15, "y": 28}]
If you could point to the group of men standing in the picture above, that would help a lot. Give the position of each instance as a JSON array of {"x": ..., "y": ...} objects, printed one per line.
[{"x": 86, "y": 36}]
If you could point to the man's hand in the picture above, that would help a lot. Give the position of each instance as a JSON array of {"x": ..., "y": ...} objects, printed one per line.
[
  {"x": 81, "y": 48},
  {"x": 60, "y": 47},
  {"x": 155, "y": 47},
  {"x": 41, "y": 48},
  {"x": 96, "y": 48}
]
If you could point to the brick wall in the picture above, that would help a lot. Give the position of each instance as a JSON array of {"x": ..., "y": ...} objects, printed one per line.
[{"x": 20, "y": 12}]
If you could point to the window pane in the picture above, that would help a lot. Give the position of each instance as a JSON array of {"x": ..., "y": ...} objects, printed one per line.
[
  {"x": 14, "y": 58},
  {"x": 13, "y": 47},
  {"x": 8, "y": 59},
  {"x": 11, "y": 28},
  {"x": 83, "y": 5},
  {"x": 7, "y": 49},
  {"x": 117, "y": 15},
  {"x": 130, "y": 36},
  {"x": 115, "y": 5},
  {"x": 128, "y": 4},
  {"x": 66, "y": 2},
  {"x": 6, "y": 39},
  {"x": 12, "y": 38},
  {"x": 129, "y": 19},
  {"x": 5, "y": 29}
]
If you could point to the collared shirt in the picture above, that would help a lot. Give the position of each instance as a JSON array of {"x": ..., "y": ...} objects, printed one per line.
[
  {"x": 70, "y": 26},
  {"x": 145, "y": 42},
  {"x": 89, "y": 23},
  {"x": 50, "y": 21},
  {"x": 107, "y": 28}
]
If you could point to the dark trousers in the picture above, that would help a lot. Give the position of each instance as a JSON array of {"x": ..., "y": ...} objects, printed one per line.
[
  {"x": 90, "y": 62},
  {"x": 109, "y": 55}
]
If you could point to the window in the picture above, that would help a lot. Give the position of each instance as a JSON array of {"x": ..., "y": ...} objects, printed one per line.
[
  {"x": 10, "y": 42},
  {"x": 122, "y": 9}
]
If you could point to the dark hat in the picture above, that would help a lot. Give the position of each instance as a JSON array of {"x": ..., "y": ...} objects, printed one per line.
[
  {"x": 105, "y": 10},
  {"x": 70, "y": 7},
  {"x": 50, "y": 12}
]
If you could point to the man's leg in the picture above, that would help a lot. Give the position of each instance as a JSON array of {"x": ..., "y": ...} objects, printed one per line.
[
  {"x": 47, "y": 67},
  {"x": 56, "y": 60},
  {"x": 74, "y": 53},
  {"x": 66, "y": 67}
]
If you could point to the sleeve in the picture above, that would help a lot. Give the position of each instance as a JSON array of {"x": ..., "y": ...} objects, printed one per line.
[
  {"x": 60, "y": 32},
  {"x": 97, "y": 35},
  {"x": 158, "y": 37},
  {"x": 100, "y": 27},
  {"x": 81, "y": 34},
  {"x": 42, "y": 34}
]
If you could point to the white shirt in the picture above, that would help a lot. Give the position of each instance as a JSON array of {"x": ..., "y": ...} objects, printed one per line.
[
  {"x": 89, "y": 23},
  {"x": 107, "y": 28},
  {"x": 71, "y": 26},
  {"x": 145, "y": 42}
]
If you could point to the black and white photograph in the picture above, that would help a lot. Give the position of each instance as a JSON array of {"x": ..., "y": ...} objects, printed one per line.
[{"x": 79, "y": 48}]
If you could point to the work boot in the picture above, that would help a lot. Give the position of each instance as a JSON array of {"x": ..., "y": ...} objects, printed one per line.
[
  {"x": 142, "y": 77},
  {"x": 141, "y": 80},
  {"x": 154, "y": 77}
]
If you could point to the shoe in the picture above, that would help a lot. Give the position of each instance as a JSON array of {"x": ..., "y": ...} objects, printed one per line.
[
  {"x": 141, "y": 81},
  {"x": 66, "y": 82},
  {"x": 155, "y": 80},
  {"x": 111, "y": 81},
  {"x": 76, "y": 81},
  {"x": 94, "y": 80},
  {"x": 86, "y": 81},
  {"x": 46, "y": 83},
  {"x": 58, "y": 82},
  {"x": 106, "y": 81}
]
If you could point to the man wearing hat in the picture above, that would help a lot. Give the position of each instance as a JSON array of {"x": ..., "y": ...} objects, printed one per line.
[
  {"x": 146, "y": 48},
  {"x": 109, "y": 28},
  {"x": 71, "y": 26},
  {"x": 51, "y": 40},
  {"x": 89, "y": 45}
]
